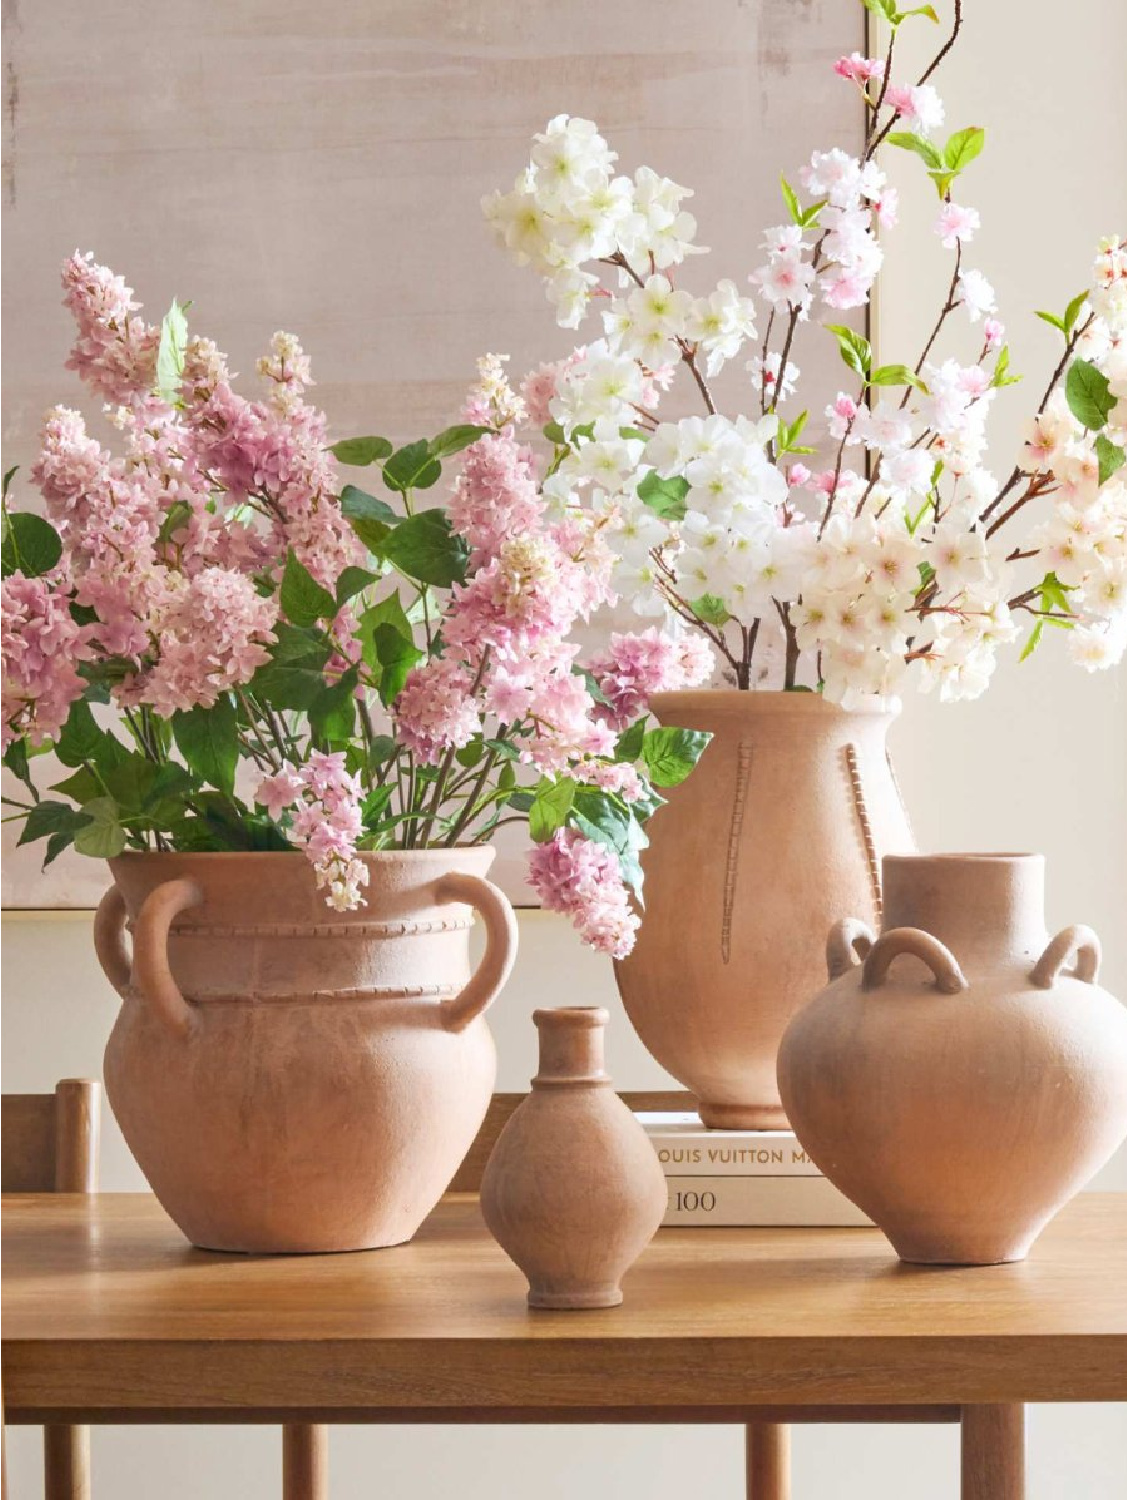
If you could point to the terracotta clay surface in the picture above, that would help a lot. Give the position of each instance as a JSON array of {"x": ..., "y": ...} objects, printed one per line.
[
  {"x": 292, "y": 1078},
  {"x": 962, "y": 1076},
  {"x": 573, "y": 1191},
  {"x": 778, "y": 833}
]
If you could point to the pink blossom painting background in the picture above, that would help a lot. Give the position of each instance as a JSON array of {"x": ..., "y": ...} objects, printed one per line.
[{"x": 322, "y": 168}]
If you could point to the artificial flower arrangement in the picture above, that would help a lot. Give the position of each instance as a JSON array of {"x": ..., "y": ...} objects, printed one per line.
[
  {"x": 892, "y": 556},
  {"x": 299, "y": 663}
]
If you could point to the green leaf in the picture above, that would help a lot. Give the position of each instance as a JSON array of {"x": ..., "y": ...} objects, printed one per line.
[
  {"x": 292, "y": 678},
  {"x": 208, "y": 739},
  {"x": 1111, "y": 457},
  {"x": 920, "y": 10},
  {"x": 555, "y": 435},
  {"x": 670, "y": 754},
  {"x": 101, "y": 836},
  {"x": 303, "y": 600},
  {"x": 1053, "y": 321},
  {"x": 388, "y": 611},
  {"x": 396, "y": 655},
  {"x": 31, "y": 545},
  {"x": 47, "y": 818},
  {"x": 629, "y": 746},
  {"x": 80, "y": 738},
  {"x": 896, "y": 375},
  {"x": 17, "y": 761},
  {"x": 170, "y": 353},
  {"x": 425, "y": 548},
  {"x": 551, "y": 805},
  {"x": 454, "y": 439},
  {"x": 1001, "y": 374},
  {"x": 943, "y": 180},
  {"x": 605, "y": 818},
  {"x": 711, "y": 609},
  {"x": 353, "y": 581},
  {"x": 907, "y": 140},
  {"x": 470, "y": 755},
  {"x": 82, "y": 787},
  {"x": 962, "y": 148},
  {"x": 665, "y": 497},
  {"x": 359, "y": 452},
  {"x": 853, "y": 347},
  {"x": 790, "y": 198},
  {"x": 332, "y": 714},
  {"x": 358, "y": 505},
  {"x": 412, "y": 467},
  {"x": 9, "y": 475},
  {"x": 1072, "y": 311},
  {"x": 1034, "y": 639},
  {"x": 884, "y": 8},
  {"x": 1088, "y": 394}
]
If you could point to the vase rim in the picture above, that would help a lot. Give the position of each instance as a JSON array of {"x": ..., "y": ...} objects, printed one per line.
[
  {"x": 776, "y": 701},
  {"x": 369, "y": 856},
  {"x": 572, "y": 1015},
  {"x": 969, "y": 857}
]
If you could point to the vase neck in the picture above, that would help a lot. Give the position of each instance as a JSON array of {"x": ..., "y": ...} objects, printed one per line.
[
  {"x": 571, "y": 1046},
  {"x": 971, "y": 903}
]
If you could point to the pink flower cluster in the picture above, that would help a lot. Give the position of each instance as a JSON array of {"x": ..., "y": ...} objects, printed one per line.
[
  {"x": 496, "y": 494},
  {"x": 325, "y": 822},
  {"x": 635, "y": 666},
  {"x": 576, "y": 876},
  {"x": 40, "y": 651},
  {"x": 165, "y": 541}
]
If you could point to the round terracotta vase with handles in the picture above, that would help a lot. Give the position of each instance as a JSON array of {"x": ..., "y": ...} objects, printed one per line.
[
  {"x": 290, "y": 1078},
  {"x": 962, "y": 1076},
  {"x": 777, "y": 833}
]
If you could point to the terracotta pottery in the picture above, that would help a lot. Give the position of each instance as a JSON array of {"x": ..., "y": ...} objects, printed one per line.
[
  {"x": 778, "y": 833},
  {"x": 291, "y": 1078},
  {"x": 967, "y": 1077},
  {"x": 573, "y": 1191}
]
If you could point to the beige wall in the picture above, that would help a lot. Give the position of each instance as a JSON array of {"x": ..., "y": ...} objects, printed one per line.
[{"x": 1038, "y": 763}]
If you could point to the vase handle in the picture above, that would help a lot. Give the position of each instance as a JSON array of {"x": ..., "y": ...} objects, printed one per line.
[
  {"x": 147, "y": 974},
  {"x": 939, "y": 959},
  {"x": 500, "y": 946},
  {"x": 849, "y": 942},
  {"x": 1080, "y": 943}
]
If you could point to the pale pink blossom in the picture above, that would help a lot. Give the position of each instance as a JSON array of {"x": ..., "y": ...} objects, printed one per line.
[
  {"x": 325, "y": 822},
  {"x": 40, "y": 650},
  {"x": 859, "y": 69},
  {"x": 994, "y": 333},
  {"x": 582, "y": 879},
  {"x": 956, "y": 224},
  {"x": 436, "y": 710},
  {"x": 635, "y": 666},
  {"x": 918, "y": 105}
]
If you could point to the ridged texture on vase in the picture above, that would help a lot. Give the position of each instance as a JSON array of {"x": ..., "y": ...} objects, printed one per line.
[
  {"x": 573, "y": 1191},
  {"x": 311, "y": 1094},
  {"x": 966, "y": 1080},
  {"x": 777, "y": 833}
]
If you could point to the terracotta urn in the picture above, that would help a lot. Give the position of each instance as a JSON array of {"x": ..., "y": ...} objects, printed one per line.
[
  {"x": 291, "y": 1078},
  {"x": 778, "y": 833},
  {"x": 962, "y": 1076},
  {"x": 573, "y": 1191}
]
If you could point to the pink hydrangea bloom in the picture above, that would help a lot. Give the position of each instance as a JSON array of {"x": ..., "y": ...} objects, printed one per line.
[
  {"x": 436, "y": 710},
  {"x": 41, "y": 649},
  {"x": 580, "y": 878},
  {"x": 635, "y": 666}
]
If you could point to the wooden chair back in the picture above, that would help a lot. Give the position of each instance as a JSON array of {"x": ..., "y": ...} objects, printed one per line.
[
  {"x": 50, "y": 1141},
  {"x": 49, "y": 1144},
  {"x": 467, "y": 1179}
]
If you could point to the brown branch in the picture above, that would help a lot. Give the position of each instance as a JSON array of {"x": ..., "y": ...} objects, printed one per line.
[{"x": 924, "y": 76}]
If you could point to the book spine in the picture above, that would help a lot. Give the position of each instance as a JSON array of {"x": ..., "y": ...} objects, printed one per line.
[
  {"x": 750, "y": 1202},
  {"x": 689, "y": 1156}
]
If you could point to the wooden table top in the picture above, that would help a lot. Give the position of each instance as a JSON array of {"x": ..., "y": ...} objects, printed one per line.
[{"x": 108, "y": 1312}]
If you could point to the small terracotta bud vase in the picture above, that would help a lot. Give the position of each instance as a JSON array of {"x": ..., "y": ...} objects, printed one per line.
[
  {"x": 962, "y": 1076},
  {"x": 573, "y": 1191}
]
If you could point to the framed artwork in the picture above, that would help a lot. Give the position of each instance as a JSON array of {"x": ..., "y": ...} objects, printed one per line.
[{"x": 261, "y": 156}]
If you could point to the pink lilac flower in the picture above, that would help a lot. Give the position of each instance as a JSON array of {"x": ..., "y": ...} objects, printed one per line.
[
  {"x": 635, "y": 666},
  {"x": 582, "y": 879},
  {"x": 115, "y": 351},
  {"x": 40, "y": 651},
  {"x": 956, "y": 224},
  {"x": 326, "y": 822},
  {"x": 436, "y": 710},
  {"x": 495, "y": 497}
]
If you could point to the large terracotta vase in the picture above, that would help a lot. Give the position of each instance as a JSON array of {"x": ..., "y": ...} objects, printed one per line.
[
  {"x": 291, "y": 1078},
  {"x": 962, "y": 1076},
  {"x": 778, "y": 832}
]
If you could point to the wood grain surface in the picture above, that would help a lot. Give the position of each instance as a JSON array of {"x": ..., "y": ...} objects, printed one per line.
[
  {"x": 319, "y": 168},
  {"x": 106, "y": 1309}
]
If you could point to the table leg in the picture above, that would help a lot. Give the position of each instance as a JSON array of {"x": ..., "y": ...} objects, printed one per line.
[
  {"x": 305, "y": 1461},
  {"x": 993, "y": 1453},
  {"x": 768, "y": 1461},
  {"x": 66, "y": 1463}
]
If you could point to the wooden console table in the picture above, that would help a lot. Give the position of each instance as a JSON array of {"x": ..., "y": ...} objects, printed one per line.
[{"x": 109, "y": 1316}]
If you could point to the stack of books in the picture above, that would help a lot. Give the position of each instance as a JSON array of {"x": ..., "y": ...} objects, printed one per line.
[{"x": 726, "y": 1178}]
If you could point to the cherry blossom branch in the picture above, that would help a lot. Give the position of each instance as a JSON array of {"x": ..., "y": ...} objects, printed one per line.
[
  {"x": 792, "y": 324},
  {"x": 923, "y": 78},
  {"x": 951, "y": 302}
]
